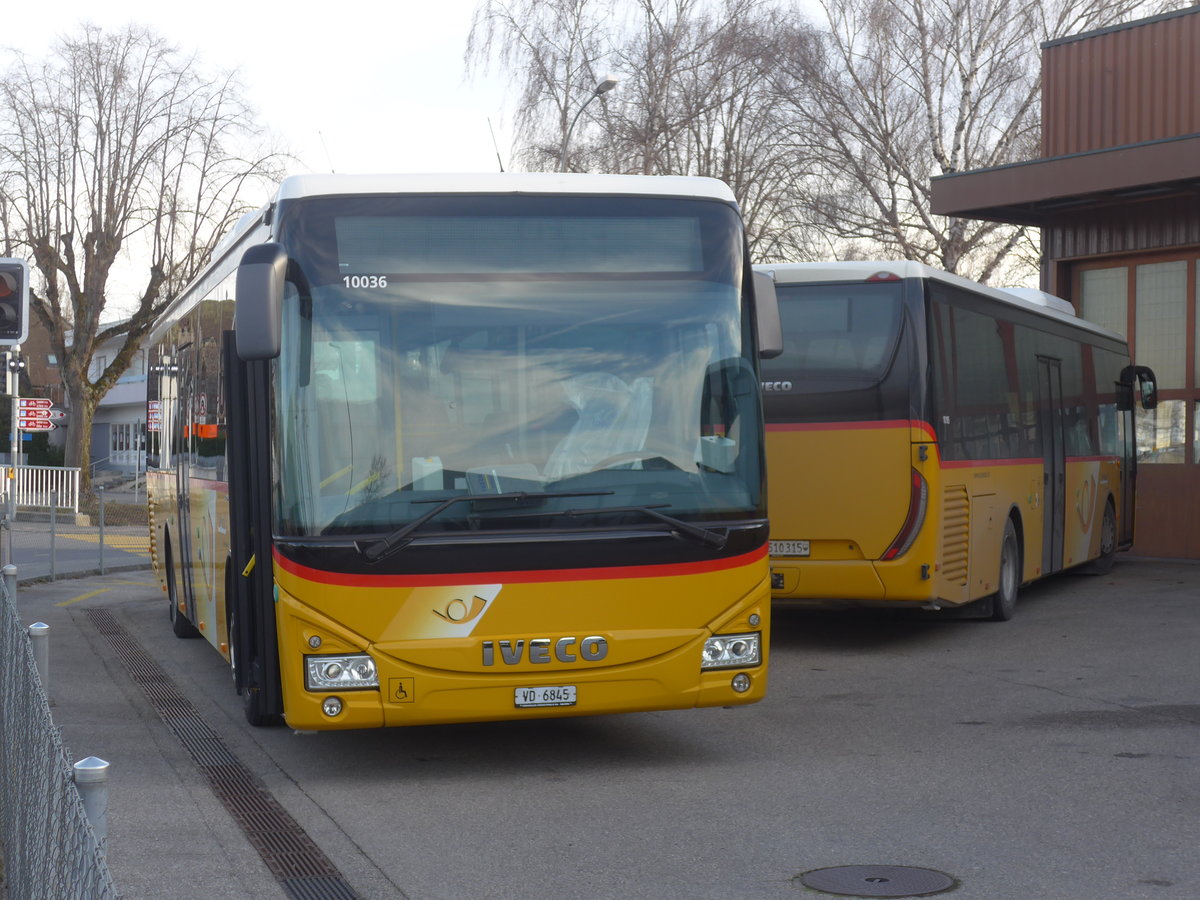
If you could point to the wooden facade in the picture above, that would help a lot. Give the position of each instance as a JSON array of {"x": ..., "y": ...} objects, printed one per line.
[{"x": 1117, "y": 197}]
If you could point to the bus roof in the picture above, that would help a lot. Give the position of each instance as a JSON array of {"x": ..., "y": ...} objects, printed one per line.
[
  {"x": 298, "y": 186},
  {"x": 1035, "y": 301}
]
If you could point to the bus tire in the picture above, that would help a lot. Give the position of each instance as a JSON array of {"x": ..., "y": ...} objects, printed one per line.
[
  {"x": 1103, "y": 563},
  {"x": 179, "y": 622},
  {"x": 1004, "y": 603}
]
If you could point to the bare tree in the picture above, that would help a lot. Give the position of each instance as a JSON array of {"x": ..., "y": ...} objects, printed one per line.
[
  {"x": 899, "y": 91},
  {"x": 692, "y": 99},
  {"x": 555, "y": 52},
  {"x": 118, "y": 148}
]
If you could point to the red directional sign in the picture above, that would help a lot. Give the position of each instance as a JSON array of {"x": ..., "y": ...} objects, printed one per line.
[
  {"x": 36, "y": 425},
  {"x": 34, "y": 402},
  {"x": 35, "y": 414}
]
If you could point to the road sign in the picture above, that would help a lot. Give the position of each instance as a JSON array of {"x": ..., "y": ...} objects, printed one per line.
[
  {"x": 27, "y": 403},
  {"x": 58, "y": 413},
  {"x": 35, "y": 425},
  {"x": 35, "y": 414}
]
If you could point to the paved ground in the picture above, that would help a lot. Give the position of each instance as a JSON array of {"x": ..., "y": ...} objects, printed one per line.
[{"x": 1049, "y": 758}]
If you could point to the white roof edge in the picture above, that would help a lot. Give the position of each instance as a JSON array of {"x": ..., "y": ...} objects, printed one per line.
[
  {"x": 1046, "y": 305},
  {"x": 297, "y": 186}
]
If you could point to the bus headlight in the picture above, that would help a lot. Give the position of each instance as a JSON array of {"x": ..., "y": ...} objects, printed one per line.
[
  {"x": 341, "y": 673},
  {"x": 732, "y": 651}
]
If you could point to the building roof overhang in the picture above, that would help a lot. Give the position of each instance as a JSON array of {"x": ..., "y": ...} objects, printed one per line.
[{"x": 1042, "y": 191}]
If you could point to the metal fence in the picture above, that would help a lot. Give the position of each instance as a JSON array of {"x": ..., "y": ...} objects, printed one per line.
[
  {"x": 48, "y": 846},
  {"x": 106, "y": 531},
  {"x": 41, "y": 487}
]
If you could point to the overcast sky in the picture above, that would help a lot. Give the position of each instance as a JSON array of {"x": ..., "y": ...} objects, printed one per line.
[{"x": 348, "y": 86}]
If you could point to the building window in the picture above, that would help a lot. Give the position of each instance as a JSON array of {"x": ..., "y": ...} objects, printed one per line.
[
  {"x": 1105, "y": 298},
  {"x": 1161, "y": 311},
  {"x": 1151, "y": 300}
]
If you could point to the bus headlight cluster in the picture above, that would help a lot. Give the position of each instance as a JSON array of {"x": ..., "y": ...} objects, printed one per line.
[
  {"x": 732, "y": 651},
  {"x": 340, "y": 673}
]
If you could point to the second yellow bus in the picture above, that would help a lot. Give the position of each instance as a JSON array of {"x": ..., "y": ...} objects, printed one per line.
[{"x": 933, "y": 442}]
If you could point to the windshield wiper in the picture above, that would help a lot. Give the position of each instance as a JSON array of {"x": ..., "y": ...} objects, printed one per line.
[
  {"x": 687, "y": 529},
  {"x": 376, "y": 550}
]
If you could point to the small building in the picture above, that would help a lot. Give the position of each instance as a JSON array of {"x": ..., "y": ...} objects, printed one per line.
[
  {"x": 119, "y": 423},
  {"x": 1116, "y": 195}
]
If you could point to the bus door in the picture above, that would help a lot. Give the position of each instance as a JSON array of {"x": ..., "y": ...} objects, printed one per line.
[
  {"x": 1054, "y": 469},
  {"x": 184, "y": 459},
  {"x": 253, "y": 637}
]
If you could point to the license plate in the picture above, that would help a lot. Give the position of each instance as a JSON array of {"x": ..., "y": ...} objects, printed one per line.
[
  {"x": 789, "y": 548},
  {"x": 556, "y": 695}
]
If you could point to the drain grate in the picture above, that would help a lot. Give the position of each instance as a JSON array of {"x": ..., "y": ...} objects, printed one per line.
[
  {"x": 299, "y": 865},
  {"x": 878, "y": 881}
]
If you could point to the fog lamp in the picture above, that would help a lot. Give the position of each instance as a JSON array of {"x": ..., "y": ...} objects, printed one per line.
[
  {"x": 740, "y": 683},
  {"x": 340, "y": 673},
  {"x": 331, "y": 706},
  {"x": 731, "y": 651}
]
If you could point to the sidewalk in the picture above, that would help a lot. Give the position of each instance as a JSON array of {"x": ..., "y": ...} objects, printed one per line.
[{"x": 168, "y": 834}]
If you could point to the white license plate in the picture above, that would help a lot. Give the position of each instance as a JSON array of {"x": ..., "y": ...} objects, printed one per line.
[
  {"x": 556, "y": 695},
  {"x": 789, "y": 548}
]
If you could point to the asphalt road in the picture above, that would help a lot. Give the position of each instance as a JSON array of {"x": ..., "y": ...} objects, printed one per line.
[{"x": 1053, "y": 756}]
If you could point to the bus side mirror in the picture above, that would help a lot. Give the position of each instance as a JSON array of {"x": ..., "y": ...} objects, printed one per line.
[
  {"x": 1147, "y": 384},
  {"x": 766, "y": 313},
  {"x": 1149, "y": 394},
  {"x": 258, "y": 308}
]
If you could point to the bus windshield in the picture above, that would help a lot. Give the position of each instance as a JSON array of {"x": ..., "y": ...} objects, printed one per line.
[
  {"x": 582, "y": 355},
  {"x": 845, "y": 354},
  {"x": 837, "y": 335}
]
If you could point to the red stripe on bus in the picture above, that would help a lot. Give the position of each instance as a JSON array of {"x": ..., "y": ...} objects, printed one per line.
[
  {"x": 1029, "y": 461},
  {"x": 854, "y": 426},
  {"x": 982, "y": 463},
  {"x": 518, "y": 577}
]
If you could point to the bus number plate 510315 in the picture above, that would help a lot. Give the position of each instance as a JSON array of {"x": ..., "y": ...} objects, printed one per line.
[
  {"x": 789, "y": 548},
  {"x": 558, "y": 695}
]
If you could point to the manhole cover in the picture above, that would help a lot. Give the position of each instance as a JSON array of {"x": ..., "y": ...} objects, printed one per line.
[{"x": 878, "y": 881}]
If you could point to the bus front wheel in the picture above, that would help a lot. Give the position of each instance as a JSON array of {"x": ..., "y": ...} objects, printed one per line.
[
  {"x": 1004, "y": 603},
  {"x": 1103, "y": 563},
  {"x": 252, "y": 705}
]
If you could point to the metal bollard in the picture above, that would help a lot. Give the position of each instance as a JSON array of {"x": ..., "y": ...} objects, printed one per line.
[
  {"x": 53, "y": 529},
  {"x": 39, "y": 640},
  {"x": 100, "y": 496},
  {"x": 91, "y": 780}
]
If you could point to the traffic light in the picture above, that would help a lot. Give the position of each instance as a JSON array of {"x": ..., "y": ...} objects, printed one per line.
[{"x": 14, "y": 301}]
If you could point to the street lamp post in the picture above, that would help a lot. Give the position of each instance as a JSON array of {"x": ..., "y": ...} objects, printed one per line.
[{"x": 607, "y": 84}]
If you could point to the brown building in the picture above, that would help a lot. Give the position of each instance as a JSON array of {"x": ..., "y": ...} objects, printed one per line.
[{"x": 1117, "y": 197}]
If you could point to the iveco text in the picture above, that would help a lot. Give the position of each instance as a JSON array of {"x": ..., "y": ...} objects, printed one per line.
[{"x": 592, "y": 649}]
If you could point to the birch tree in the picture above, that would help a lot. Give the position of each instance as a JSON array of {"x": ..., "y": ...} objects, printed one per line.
[{"x": 896, "y": 92}]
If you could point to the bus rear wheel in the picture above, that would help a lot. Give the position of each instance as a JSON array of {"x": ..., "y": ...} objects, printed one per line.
[
  {"x": 1004, "y": 603},
  {"x": 179, "y": 622}
]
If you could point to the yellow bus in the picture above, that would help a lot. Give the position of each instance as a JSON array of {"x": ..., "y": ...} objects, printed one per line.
[
  {"x": 429, "y": 449},
  {"x": 934, "y": 443}
]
